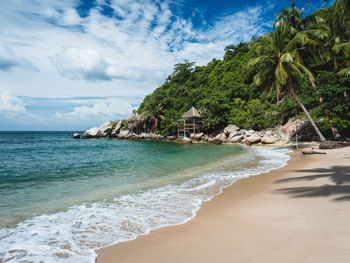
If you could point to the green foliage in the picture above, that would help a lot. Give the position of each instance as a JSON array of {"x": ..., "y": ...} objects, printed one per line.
[{"x": 244, "y": 88}]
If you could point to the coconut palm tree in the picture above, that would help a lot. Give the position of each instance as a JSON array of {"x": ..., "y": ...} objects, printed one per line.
[
  {"x": 279, "y": 65},
  {"x": 311, "y": 36}
]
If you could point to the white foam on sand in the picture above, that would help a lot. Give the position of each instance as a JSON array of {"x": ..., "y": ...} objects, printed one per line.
[{"x": 73, "y": 235}]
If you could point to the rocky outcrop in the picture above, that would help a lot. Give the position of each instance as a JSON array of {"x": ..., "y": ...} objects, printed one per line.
[
  {"x": 76, "y": 136},
  {"x": 254, "y": 138},
  {"x": 92, "y": 133},
  {"x": 230, "y": 129},
  {"x": 236, "y": 139},
  {"x": 105, "y": 129},
  {"x": 301, "y": 128},
  {"x": 117, "y": 129},
  {"x": 221, "y": 137},
  {"x": 268, "y": 140}
]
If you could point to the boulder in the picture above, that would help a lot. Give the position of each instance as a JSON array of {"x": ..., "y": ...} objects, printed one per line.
[
  {"x": 231, "y": 128},
  {"x": 198, "y": 136},
  {"x": 233, "y": 134},
  {"x": 186, "y": 140},
  {"x": 117, "y": 128},
  {"x": 76, "y": 136},
  {"x": 301, "y": 127},
  {"x": 268, "y": 139},
  {"x": 92, "y": 133},
  {"x": 214, "y": 141},
  {"x": 254, "y": 138},
  {"x": 192, "y": 135},
  {"x": 236, "y": 139},
  {"x": 105, "y": 129},
  {"x": 123, "y": 134},
  {"x": 250, "y": 132},
  {"x": 221, "y": 137}
]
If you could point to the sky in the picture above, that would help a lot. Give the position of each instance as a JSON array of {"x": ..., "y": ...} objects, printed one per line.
[{"x": 73, "y": 64}]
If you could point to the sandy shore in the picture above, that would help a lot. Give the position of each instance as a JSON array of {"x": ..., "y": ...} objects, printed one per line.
[{"x": 300, "y": 213}]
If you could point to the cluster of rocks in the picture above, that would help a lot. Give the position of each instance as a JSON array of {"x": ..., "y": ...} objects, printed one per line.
[{"x": 231, "y": 134}]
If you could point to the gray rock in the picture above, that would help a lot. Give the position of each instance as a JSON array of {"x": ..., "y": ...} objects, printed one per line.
[
  {"x": 233, "y": 134},
  {"x": 117, "y": 129},
  {"x": 186, "y": 140},
  {"x": 236, "y": 139},
  {"x": 268, "y": 140},
  {"x": 105, "y": 129},
  {"x": 231, "y": 128},
  {"x": 76, "y": 136},
  {"x": 254, "y": 138},
  {"x": 92, "y": 133},
  {"x": 198, "y": 136},
  {"x": 221, "y": 137},
  {"x": 214, "y": 141},
  {"x": 123, "y": 134},
  {"x": 250, "y": 132}
]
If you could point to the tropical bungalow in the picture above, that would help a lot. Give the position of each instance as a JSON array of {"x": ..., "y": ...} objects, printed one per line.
[{"x": 190, "y": 122}]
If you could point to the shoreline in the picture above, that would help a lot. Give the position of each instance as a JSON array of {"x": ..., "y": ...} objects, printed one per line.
[{"x": 217, "y": 227}]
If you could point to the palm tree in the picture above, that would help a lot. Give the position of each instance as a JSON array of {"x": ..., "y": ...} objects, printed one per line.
[
  {"x": 308, "y": 30},
  {"x": 279, "y": 65}
]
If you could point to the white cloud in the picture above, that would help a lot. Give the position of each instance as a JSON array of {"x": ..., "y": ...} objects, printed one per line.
[
  {"x": 9, "y": 60},
  {"x": 10, "y": 104},
  {"x": 75, "y": 63},
  {"x": 109, "y": 108},
  {"x": 126, "y": 54}
]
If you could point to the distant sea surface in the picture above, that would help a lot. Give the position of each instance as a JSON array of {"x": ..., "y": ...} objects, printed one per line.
[{"x": 60, "y": 198}]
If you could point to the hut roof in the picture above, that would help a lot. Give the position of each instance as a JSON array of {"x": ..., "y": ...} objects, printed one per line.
[{"x": 193, "y": 112}]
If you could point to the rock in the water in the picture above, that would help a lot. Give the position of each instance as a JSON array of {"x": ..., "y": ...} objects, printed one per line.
[
  {"x": 106, "y": 129},
  {"x": 185, "y": 140},
  {"x": 123, "y": 134},
  {"x": 192, "y": 135},
  {"x": 236, "y": 139},
  {"x": 117, "y": 128},
  {"x": 333, "y": 145},
  {"x": 76, "y": 136},
  {"x": 255, "y": 138},
  {"x": 214, "y": 141},
  {"x": 198, "y": 136},
  {"x": 268, "y": 140},
  {"x": 233, "y": 134},
  {"x": 230, "y": 129},
  {"x": 92, "y": 133}
]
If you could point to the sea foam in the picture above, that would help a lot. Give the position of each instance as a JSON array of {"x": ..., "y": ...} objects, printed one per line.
[{"x": 73, "y": 235}]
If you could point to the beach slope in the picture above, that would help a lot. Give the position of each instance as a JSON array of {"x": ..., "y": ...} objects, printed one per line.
[{"x": 299, "y": 213}]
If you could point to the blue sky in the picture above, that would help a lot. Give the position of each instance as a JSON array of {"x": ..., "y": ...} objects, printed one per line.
[{"x": 73, "y": 64}]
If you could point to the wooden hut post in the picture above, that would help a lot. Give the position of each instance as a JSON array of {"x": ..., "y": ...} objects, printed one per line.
[{"x": 194, "y": 125}]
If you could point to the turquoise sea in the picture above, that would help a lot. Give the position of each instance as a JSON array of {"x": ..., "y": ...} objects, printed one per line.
[{"x": 60, "y": 198}]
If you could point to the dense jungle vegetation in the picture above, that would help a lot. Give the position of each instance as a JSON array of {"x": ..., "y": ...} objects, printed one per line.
[{"x": 304, "y": 62}]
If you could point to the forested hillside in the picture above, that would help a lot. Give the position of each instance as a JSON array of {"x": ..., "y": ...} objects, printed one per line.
[{"x": 304, "y": 61}]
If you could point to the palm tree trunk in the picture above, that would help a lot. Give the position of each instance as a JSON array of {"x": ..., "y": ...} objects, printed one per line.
[
  {"x": 322, "y": 138},
  {"x": 336, "y": 135}
]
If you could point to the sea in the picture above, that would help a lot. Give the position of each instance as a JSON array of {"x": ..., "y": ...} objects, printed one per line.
[{"x": 62, "y": 198}]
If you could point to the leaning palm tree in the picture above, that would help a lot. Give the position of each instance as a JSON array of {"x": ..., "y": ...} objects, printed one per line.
[
  {"x": 311, "y": 36},
  {"x": 279, "y": 65}
]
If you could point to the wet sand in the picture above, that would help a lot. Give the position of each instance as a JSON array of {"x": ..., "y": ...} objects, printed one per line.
[{"x": 299, "y": 213}]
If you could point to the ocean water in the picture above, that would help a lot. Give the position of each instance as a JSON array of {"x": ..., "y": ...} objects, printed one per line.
[{"x": 61, "y": 199}]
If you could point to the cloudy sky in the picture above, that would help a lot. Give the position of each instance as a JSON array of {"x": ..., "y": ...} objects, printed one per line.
[{"x": 72, "y": 64}]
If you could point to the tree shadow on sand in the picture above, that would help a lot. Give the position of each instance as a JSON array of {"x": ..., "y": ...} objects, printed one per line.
[{"x": 339, "y": 175}]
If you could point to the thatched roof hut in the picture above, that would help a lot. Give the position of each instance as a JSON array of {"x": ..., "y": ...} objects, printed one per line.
[{"x": 192, "y": 113}]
